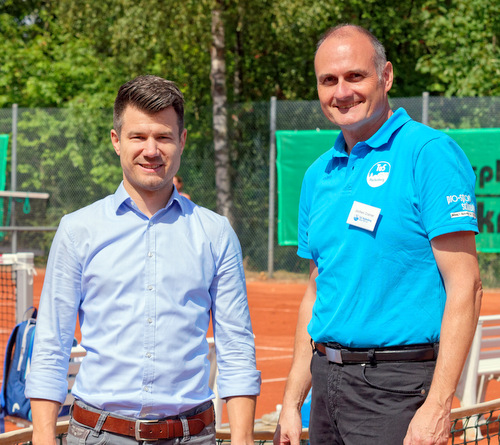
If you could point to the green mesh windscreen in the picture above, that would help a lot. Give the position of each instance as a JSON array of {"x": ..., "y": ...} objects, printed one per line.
[{"x": 297, "y": 150}]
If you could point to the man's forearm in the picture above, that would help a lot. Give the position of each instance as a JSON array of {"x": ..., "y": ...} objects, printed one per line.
[
  {"x": 44, "y": 413},
  {"x": 457, "y": 262},
  {"x": 241, "y": 412},
  {"x": 299, "y": 378},
  {"x": 457, "y": 331},
  {"x": 456, "y": 259},
  {"x": 298, "y": 383}
]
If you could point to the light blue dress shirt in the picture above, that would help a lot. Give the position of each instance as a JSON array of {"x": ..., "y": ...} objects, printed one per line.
[{"x": 144, "y": 290}]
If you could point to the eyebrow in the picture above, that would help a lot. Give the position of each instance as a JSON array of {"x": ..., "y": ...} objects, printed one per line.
[
  {"x": 346, "y": 74},
  {"x": 141, "y": 132}
]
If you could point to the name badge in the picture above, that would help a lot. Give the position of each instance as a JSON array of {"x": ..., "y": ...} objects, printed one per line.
[{"x": 363, "y": 216}]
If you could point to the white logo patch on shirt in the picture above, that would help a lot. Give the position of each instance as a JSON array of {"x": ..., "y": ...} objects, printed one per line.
[
  {"x": 378, "y": 174},
  {"x": 468, "y": 209}
]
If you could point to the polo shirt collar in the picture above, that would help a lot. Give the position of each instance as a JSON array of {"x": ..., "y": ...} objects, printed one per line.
[
  {"x": 391, "y": 125},
  {"x": 381, "y": 137}
]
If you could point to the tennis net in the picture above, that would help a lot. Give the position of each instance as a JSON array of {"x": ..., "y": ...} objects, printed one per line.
[
  {"x": 16, "y": 293},
  {"x": 478, "y": 424}
]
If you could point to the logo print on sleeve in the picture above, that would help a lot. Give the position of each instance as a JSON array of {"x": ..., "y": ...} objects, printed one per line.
[{"x": 378, "y": 174}]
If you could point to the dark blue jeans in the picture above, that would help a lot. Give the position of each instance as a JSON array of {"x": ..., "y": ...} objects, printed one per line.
[{"x": 358, "y": 404}]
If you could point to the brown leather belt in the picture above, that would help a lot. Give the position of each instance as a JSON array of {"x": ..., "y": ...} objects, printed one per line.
[
  {"x": 145, "y": 429},
  {"x": 417, "y": 353}
]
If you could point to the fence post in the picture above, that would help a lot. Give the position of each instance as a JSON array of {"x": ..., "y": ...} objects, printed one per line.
[
  {"x": 272, "y": 187},
  {"x": 13, "y": 178},
  {"x": 25, "y": 270},
  {"x": 425, "y": 108}
]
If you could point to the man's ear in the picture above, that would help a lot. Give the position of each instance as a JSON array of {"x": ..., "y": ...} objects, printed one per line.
[
  {"x": 115, "y": 140},
  {"x": 388, "y": 76},
  {"x": 183, "y": 138}
]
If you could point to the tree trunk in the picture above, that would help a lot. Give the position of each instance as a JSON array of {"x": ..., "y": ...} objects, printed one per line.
[{"x": 219, "y": 99}]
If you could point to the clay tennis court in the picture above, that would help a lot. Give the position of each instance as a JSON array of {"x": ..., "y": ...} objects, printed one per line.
[{"x": 274, "y": 308}]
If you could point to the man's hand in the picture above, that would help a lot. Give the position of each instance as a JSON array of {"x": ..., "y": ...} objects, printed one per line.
[
  {"x": 289, "y": 428},
  {"x": 429, "y": 426}
]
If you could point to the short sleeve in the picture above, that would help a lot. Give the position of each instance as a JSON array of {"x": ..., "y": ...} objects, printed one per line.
[
  {"x": 445, "y": 184},
  {"x": 303, "y": 229}
]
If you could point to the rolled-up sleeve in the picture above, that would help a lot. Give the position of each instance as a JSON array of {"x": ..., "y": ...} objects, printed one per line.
[
  {"x": 56, "y": 321},
  {"x": 234, "y": 340}
]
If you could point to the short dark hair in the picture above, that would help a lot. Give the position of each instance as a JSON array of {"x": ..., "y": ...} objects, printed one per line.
[
  {"x": 150, "y": 94},
  {"x": 342, "y": 30}
]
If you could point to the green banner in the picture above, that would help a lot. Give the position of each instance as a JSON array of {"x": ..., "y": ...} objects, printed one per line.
[
  {"x": 4, "y": 143},
  {"x": 297, "y": 150}
]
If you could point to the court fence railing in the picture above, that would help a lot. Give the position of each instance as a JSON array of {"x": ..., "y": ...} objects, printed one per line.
[{"x": 477, "y": 424}]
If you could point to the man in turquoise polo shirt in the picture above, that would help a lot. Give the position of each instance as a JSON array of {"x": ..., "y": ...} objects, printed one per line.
[{"x": 387, "y": 219}]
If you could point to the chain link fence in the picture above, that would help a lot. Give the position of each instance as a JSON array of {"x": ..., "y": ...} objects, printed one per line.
[{"x": 67, "y": 153}]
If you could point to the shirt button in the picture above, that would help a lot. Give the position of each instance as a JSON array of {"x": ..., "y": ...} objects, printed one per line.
[
  {"x": 150, "y": 254},
  {"x": 149, "y": 355},
  {"x": 150, "y": 320},
  {"x": 146, "y": 388},
  {"x": 150, "y": 287}
]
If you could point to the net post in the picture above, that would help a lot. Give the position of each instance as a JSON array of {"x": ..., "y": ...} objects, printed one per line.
[{"x": 24, "y": 290}]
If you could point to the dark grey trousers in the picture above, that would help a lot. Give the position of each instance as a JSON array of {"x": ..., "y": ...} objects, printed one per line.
[{"x": 358, "y": 404}]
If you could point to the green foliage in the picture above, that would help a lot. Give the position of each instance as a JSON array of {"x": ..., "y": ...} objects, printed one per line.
[
  {"x": 78, "y": 51},
  {"x": 74, "y": 54},
  {"x": 462, "y": 53},
  {"x": 60, "y": 161}
]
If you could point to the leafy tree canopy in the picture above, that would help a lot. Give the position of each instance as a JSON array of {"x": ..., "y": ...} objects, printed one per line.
[{"x": 79, "y": 51}]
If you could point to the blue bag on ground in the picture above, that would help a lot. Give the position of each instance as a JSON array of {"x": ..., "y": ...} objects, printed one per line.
[{"x": 16, "y": 368}]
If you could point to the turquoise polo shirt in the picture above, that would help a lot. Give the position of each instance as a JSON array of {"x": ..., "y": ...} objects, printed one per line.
[{"x": 367, "y": 220}]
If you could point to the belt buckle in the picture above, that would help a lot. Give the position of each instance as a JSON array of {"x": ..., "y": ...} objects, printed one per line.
[
  {"x": 333, "y": 355},
  {"x": 138, "y": 430}
]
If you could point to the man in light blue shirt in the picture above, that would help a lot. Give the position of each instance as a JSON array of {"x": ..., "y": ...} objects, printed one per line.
[{"x": 144, "y": 270}]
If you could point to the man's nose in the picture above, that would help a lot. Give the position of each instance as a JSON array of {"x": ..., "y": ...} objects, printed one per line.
[
  {"x": 342, "y": 90},
  {"x": 150, "y": 147}
]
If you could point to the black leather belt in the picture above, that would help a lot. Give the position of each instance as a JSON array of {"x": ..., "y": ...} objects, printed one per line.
[{"x": 410, "y": 353}]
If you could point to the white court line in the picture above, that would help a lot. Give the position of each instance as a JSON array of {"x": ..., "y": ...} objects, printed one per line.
[
  {"x": 279, "y": 357},
  {"x": 270, "y": 309},
  {"x": 273, "y": 348},
  {"x": 279, "y": 379}
]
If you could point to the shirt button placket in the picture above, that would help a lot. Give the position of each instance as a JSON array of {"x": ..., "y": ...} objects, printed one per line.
[{"x": 149, "y": 338}]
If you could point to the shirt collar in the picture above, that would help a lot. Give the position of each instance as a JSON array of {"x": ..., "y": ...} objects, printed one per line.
[
  {"x": 390, "y": 126},
  {"x": 381, "y": 137},
  {"x": 123, "y": 200}
]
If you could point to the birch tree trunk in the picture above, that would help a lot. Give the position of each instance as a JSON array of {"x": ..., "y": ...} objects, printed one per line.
[{"x": 219, "y": 100}]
